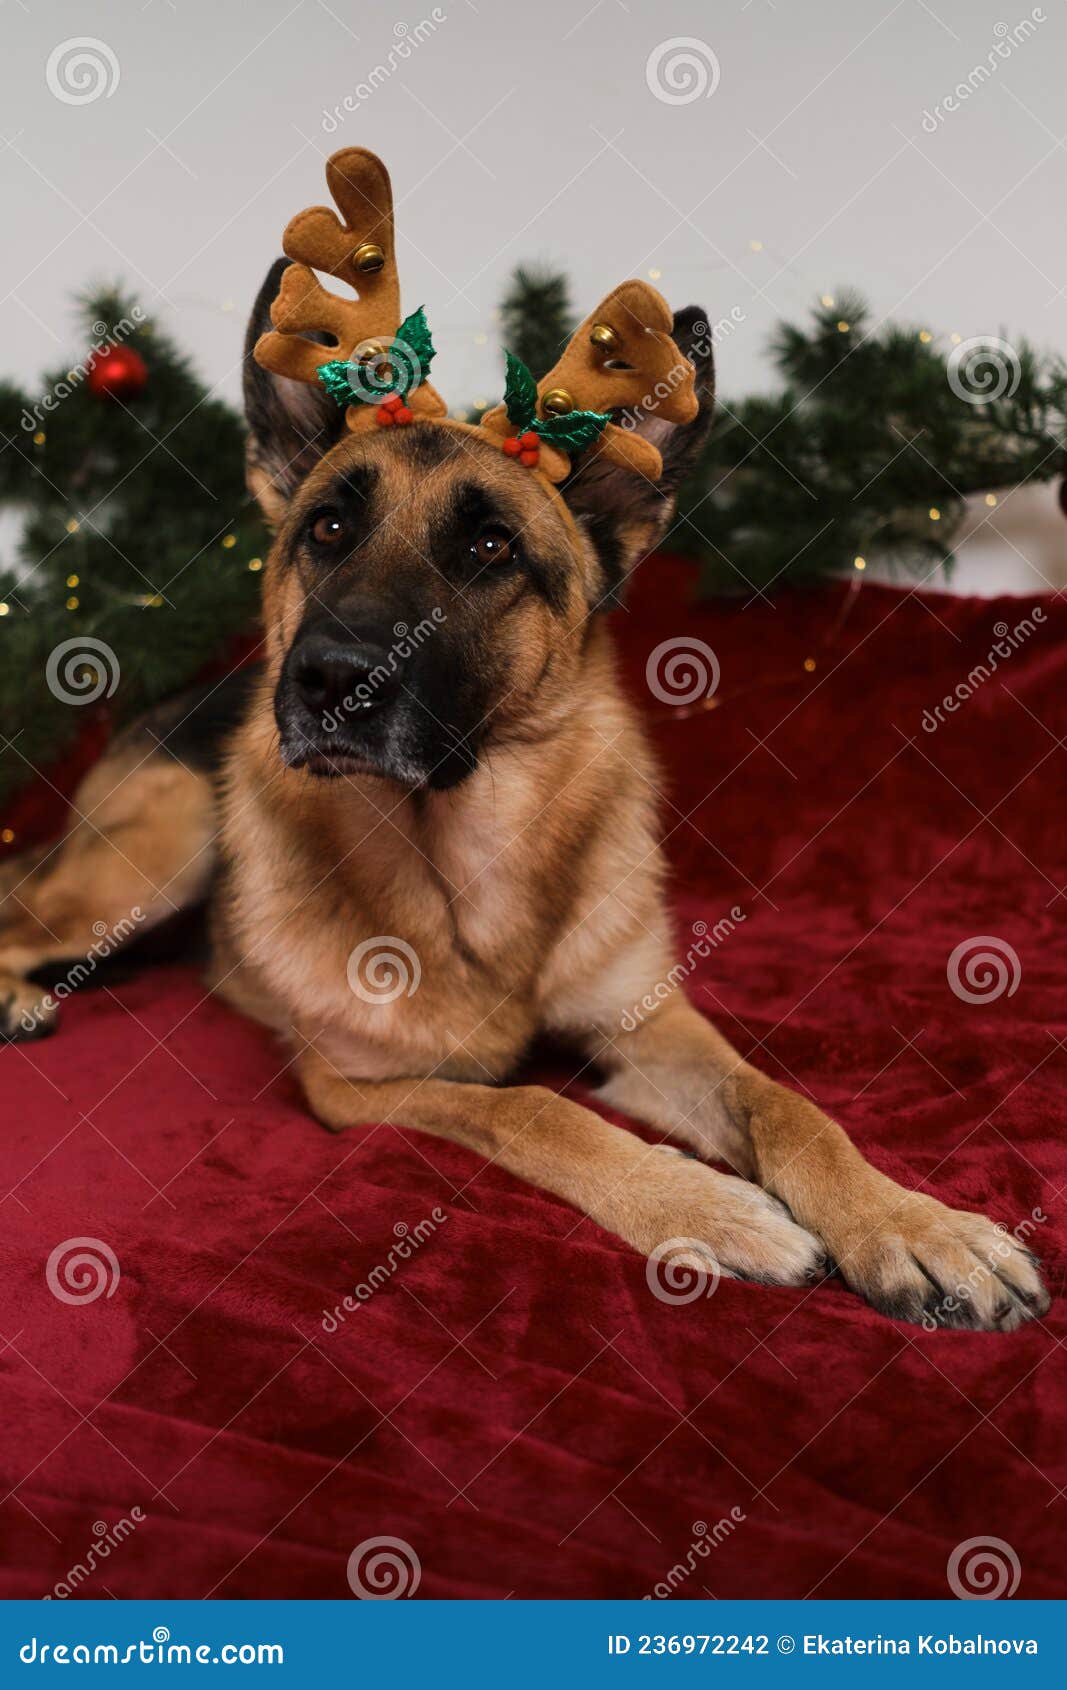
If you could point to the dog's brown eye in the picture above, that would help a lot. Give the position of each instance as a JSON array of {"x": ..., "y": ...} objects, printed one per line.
[
  {"x": 493, "y": 548},
  {"x": 327, "y": 528}
]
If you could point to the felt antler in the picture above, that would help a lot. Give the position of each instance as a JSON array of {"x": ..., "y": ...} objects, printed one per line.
[
  {"x": 376, "y": 365},
  {"x": 621, "y": 358}
]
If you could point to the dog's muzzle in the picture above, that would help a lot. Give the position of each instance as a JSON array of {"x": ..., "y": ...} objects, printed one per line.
[{"x": 334, "y": 700}]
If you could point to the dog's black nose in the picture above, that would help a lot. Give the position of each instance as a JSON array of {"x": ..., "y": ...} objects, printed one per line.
[{"x": 343, "y": 680}]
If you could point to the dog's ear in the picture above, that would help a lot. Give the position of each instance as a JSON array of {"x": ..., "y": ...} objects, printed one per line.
[
  {"x": 624, "y": 513},
  {"x": 291, "y": 424}
]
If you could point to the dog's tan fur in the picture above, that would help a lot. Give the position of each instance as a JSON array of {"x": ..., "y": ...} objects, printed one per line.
[{"x": 532, "y": 894}]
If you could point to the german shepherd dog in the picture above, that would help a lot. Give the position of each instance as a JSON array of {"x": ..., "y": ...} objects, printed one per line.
[{"x": 485, "y": 817}]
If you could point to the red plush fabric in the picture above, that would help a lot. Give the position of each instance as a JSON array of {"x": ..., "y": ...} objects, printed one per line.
[{"x": 512, "y": 1402}]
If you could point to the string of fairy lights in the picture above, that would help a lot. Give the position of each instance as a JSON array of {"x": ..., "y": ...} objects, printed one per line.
[{"x": 130, "y": 376}]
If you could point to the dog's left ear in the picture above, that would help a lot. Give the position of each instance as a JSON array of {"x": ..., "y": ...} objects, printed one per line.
[
  {"x": 624, "y": 513},
  {"x": 291, "y": 425}
]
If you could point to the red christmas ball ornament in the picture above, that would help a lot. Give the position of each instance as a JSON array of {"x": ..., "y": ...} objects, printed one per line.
[{"x": 118, "y": 372}]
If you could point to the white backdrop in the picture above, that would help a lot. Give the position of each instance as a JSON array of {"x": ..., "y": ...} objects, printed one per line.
[{"x": 748, "y": 155}]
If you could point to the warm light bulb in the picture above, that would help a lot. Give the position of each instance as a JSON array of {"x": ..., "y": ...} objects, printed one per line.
[
  {"x": 859, "y": 563},
  {"x": 935, "y": 514},
  {"x": 991, "y": 499}
]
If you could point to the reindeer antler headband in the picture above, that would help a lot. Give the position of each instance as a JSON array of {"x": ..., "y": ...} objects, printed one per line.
[{"x": 621, "y": 358}]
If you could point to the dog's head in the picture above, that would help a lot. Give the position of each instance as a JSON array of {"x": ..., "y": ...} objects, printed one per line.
[{"x": 426, "y": 596}]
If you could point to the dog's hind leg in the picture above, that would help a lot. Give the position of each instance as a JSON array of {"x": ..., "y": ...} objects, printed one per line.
[
  {"x": 907, "y": 1253},
  {"x": 709, "y": 1220},
  {"x": 139, "y": 847}
]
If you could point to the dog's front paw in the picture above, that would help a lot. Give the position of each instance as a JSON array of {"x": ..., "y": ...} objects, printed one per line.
[
  {"x": 733, "y": 1229},
  {"x": 915, "y": 1259},
  {"x": 26, "y": 1012}
]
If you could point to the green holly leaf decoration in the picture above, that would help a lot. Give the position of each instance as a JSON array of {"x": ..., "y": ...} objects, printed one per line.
[
  {"x": 574, "y": 432},
  {"x": 416, "y": 352},
  {"x": 334, "y": 378},
  {"x": 520, "y": 393}
]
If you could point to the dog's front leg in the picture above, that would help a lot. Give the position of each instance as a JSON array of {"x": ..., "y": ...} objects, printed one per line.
[
  {"x": 628, "y": 1187},
  {"x": 908, "y": 1254}
]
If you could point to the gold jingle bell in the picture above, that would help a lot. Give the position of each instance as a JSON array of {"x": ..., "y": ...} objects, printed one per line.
[
  {"x": 604, "y": 338},
  {"x": 557, "y": 402},
  {"x": 368, "y": 258},
  {"x": 367, "y": 351}
]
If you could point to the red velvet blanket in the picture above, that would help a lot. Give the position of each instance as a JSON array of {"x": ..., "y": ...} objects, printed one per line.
[{"x": 511, "y": 1401}]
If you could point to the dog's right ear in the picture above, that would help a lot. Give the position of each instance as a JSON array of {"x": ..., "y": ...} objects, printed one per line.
[{"x": 291, "y": 424}]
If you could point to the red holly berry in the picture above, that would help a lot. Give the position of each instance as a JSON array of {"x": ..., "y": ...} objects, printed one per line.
[
  {"x": 529, "y": 441},
  {"x": 529, "y": 458},
  {"x": 404, "y": 414},
  {"x": 511, "y": 446},
  {"x": 384, "y": 418},
  {"x": 392, "y": 402}
]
